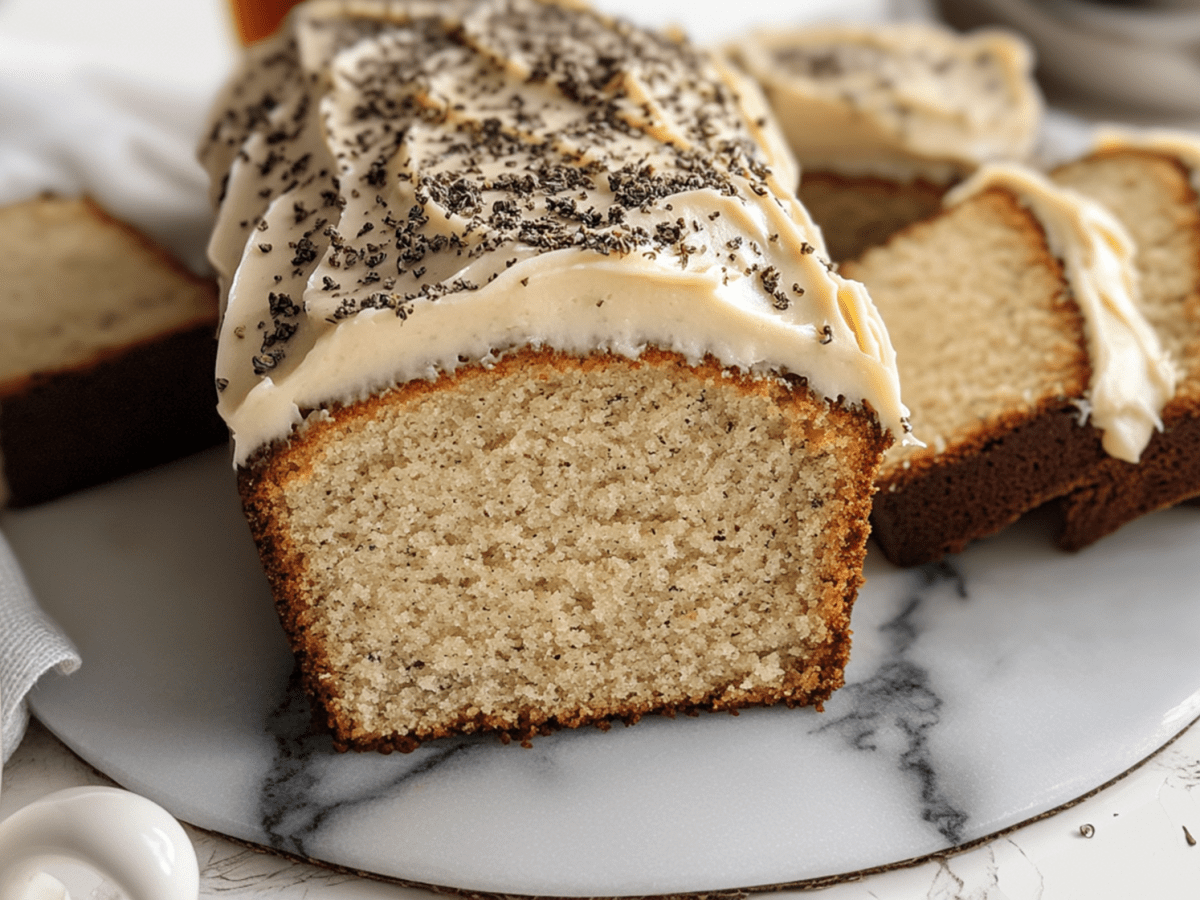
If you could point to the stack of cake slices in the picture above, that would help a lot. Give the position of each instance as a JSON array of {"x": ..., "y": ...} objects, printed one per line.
[
  {"x": 1149, "y": 181},
  {"x": 997, "y": 361},
  {"x": 1023, "y": 353}
]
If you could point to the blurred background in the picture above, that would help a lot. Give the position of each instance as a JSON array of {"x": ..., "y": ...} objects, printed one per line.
[{"x": 1137, "y": 60}]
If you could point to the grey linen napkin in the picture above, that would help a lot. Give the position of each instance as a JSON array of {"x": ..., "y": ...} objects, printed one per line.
[{"x": 31, "y": 644}]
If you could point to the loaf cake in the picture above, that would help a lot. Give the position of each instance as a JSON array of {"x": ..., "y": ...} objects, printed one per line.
[
  {"x": 547, "y": 408},
  {"x": 884, "y": 118},
  {"x": 107, "y": 348},
  {"x": 1149, "y": 181},
  {"x": 1022, "y": 353}
]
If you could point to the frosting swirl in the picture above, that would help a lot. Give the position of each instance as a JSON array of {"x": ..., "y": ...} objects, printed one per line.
[{"x": 407, "y": 187}]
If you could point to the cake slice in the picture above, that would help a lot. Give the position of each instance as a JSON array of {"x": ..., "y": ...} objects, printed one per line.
[
  {"x": 547, "y": 409},
  {"x": 884, "y": 118},
  {"x": 107, "y": 347},
  {"x": 1024, "y": 358},
  {"x": 1149, "y": 182}
]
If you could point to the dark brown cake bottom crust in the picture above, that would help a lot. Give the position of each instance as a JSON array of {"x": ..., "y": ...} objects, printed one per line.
[
  {"x": 942, "y": 503},
  {"x": 65, "y": 431},
  {"x": 1117, "y": 492}
]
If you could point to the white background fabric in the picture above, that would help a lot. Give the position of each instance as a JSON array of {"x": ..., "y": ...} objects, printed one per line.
[{"x": 70, "y": 126}]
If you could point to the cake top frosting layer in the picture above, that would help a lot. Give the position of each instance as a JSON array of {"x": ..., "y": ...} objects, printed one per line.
[
  {"x": 897, "y": 100},
  {"x": 406, "y": 187},
  {"x": 1132, "y": 376}
]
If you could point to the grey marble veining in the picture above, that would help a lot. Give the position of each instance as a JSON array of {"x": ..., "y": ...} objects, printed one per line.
[
  {"x": 309, "y": 785},
  {"x": 894, "y": 709},
  {"x": 981, "y": 692}
]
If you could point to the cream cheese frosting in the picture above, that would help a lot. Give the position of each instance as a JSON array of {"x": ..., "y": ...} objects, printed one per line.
[
  {"x": 1132, "y": 377},
  {"x": 897, "y": 100},
  {"x": 408, "y": 187}
]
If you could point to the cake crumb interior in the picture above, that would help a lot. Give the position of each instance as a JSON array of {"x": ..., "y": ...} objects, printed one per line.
[
  {"x": 1154, "y": 200},
  {"x": 999, "y": 322},
  {"x": 564, "y": 540}
]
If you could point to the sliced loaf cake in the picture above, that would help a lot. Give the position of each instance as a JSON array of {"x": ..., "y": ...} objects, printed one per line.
[
  {"x": 1149, "y": 181},
  {"x": 547, "y": 407},
  {"x": 107, "y": 347},
  {"x": 1024, "y": 358}
]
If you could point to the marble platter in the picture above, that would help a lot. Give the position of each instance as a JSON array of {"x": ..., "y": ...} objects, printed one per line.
[{"x": 982, "y": 692}]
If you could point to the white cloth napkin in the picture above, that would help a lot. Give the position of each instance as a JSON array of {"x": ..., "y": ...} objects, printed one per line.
[{"x": 30, "y": 645}]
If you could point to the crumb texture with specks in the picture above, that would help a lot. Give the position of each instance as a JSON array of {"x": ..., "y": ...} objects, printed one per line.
[{"x": 559, "y": 541}]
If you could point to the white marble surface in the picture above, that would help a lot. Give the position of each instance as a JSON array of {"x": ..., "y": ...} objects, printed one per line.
[
  {"x": 1007, "y": 682},
  {"x": 1139, "y": 845}
]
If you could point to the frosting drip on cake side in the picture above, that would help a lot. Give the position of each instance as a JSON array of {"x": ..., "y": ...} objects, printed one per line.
[
  {"x": 898, "y": 101},
  {"x": 1132, "y": 377},
  {"x": 416, "y": 186}
]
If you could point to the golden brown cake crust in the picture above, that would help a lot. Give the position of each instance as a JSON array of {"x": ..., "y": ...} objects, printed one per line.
[
  {"x": 263, "y": 482},
  {"x": 1116, "y": 492},
  {"x": 72, "y": 429},
  {"x": 939, "y": 506},
  {"x": 78, "y": 417}
]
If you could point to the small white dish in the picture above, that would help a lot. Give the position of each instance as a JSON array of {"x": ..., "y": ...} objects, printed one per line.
[{"x": 133, "y": 843}]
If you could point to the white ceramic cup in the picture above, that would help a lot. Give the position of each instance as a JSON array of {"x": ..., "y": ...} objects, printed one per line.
[{"x": 131, "y": 842}]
